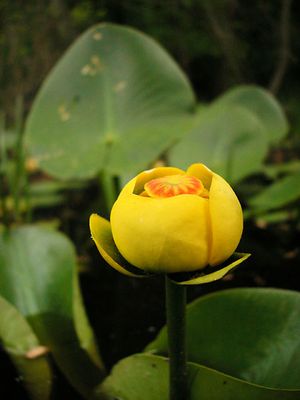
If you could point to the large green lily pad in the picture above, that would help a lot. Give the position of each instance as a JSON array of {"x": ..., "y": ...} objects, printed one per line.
[{"x": 116, "y": 99}]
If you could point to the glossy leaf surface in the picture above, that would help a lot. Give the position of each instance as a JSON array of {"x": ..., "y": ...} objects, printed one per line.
[
  {"x": 251, "y": 334},
  {"x": 146, "y": 377}
]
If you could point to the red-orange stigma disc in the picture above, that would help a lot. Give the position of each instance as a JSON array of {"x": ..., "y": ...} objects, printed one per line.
[{"x": 174, "y": 185}]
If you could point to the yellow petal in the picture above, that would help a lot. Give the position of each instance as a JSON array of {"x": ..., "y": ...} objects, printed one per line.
[
  {"x": 201, "y": 172},
  {"x": 226, "y": 220},
  {"x": 101, "y": 234},
  {"x": 161, "y": 235}
]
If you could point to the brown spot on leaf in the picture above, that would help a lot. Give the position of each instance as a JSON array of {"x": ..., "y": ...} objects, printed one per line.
[
  {"x": 120, "y": 86},
  {"x": 97, "y": 35},
  {"x": 93, "y": 68},
  {"x": 63, "y": 113},
  {"x": 36, "y": 352}
]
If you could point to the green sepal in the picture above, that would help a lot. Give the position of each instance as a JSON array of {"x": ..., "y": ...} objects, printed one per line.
[
  {"x": 210, "y": 274},
  {"x": 102, "y": 236}
]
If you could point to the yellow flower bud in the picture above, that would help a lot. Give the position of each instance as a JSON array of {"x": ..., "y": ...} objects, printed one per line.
[{"x": 168, "y": 220}]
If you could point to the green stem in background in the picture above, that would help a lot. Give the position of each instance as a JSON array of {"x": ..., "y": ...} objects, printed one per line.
[
  {"x": 3, "y": 171},
  {"x": 175, "y": 308},
  {"x": 109, "y": 188},
  {"x": 18, "y": 180}
]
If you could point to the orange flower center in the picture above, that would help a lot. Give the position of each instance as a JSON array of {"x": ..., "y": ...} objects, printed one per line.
[{"x": 174, "y": 185}]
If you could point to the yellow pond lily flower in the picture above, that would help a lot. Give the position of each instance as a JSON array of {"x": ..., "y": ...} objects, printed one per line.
[{"x": 169, "y": 220}]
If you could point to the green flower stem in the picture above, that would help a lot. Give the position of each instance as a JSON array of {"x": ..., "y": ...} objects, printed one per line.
[
  {"x": 109, "y": 189},
  {"x": 175, "y": 308},
  {"x": 19, "y": 173}
]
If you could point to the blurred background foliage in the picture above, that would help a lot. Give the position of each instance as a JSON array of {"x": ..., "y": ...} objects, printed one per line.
[{"x": 218, "y": 43}]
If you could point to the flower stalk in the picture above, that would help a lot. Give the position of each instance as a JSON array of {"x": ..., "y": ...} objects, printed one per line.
[
  {"x": 109, "y": 189},
  {"x": 175, "y": 310}
]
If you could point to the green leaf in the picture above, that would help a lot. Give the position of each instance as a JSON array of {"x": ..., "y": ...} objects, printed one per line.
[
  {"x": 38, "y": 276},
  {"x": 210, "y": 274},
  {"x": 272, "y": 217},
  {"x": 233, "y": 134},
  {"x": 263, "y": 105},
  {"x": 229, "y": 139},
  {"x": 49, "y": 187},
  {"x": 274, "y": 171},
  {"x": 116, "y": 99},
  {"x": 20, "y": 342},
  {"x": 251, "y": 334},
  {"x": 279, "y": 194},
  {"x": 48, "y": 193},
  {"x": 146, "y": 377}
]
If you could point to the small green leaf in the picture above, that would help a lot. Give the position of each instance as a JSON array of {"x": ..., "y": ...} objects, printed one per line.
[
  {"x": 25, "y": 351},
  {"x": 116, "y": 99},
  {"x": 274, "y": 217},
  {"x": 210, "y": 274},
  {"x": 279, "y": 194},
  {"x": 250, "y": 334},
  {"x": 144, "y": 376},
  {"x": 274, "y": 171},
  {"x": 48, "y": 193}
]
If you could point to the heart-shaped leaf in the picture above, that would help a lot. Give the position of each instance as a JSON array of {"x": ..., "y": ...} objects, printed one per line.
[
  {"x": 251, "y": 334},
  {"x": 116, "y": 99}
]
